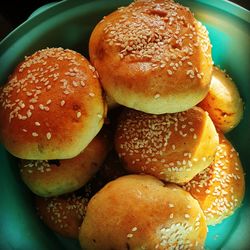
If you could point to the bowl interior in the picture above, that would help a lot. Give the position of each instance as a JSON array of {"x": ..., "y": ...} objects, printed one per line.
[{"x": 68, "y": 24}]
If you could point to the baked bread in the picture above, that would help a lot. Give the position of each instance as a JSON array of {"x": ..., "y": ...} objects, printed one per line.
[
  {"x": 51, "y": 107},
  {"x": 52, "y": 178},
  {"x": 223, "y": 102},
  {"x": 152, "y": 56},
  {"x": 63, "y": 214},
  {"x": 140, "y": 212},
  {"x": 219, "y": 188},
  {"x": 172, "y": 147}
]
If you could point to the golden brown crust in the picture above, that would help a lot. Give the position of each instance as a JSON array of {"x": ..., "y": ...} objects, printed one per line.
[
  {"x": 152, "y": 56},
  {"x": 172, "y": 147},
  {"x": 223, "y": 102},
  {"x": 63, "y": 214},
  {"x": 139, "y": 212},
  {"x": 52, "y": 178},
  {"x": 219, "y": 188},
  {"x": 51, "y": 106}
]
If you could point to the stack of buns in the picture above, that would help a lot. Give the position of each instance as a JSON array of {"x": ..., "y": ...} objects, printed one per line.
[{"x": 171, "y": 171}]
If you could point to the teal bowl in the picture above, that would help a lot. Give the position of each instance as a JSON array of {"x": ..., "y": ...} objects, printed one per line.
[{"x": 69, "y": 24}]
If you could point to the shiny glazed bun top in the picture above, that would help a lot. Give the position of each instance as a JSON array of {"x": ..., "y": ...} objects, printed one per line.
[
  {"x": 153, "y": 56},
  {"x": 139, "y": 212},
  {"x": 52, "y": 106}
]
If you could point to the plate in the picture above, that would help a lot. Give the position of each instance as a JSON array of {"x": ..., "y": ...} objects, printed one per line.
[{"x": 69, "y": 24}]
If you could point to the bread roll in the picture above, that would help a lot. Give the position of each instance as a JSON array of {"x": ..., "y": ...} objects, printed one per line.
[
  {"x": 219, "y": 188},
  {"x": 152, "y": 56},
  {"x": 223, "y": 102},
  {"x": 52, "y": 178},
  {"x": 51, "y": 107},
  {"x": 140, "y": 212},
  {"x": 63, "y": 214},
  {"x": 172, "y": 147}
]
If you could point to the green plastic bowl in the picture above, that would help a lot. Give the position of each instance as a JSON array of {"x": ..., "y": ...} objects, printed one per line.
[{"x": 69, "y": 24}]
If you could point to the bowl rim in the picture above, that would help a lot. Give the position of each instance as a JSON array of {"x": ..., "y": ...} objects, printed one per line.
[
  {"x": 224, "y": 6},
  {"x": 55, "y": 7}
]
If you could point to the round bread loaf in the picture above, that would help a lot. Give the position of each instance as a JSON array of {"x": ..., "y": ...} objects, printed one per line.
[
  {"x": 140, "y": 212},
  {"x": 56, "y": 177},
  {"x": 172, "y": 147},
  {"x": 63, "y": 214},
  {"x": 153, "y": 56},
  {"x": 219, "y": 188},
  {"x": 223, "y": 102},
  {"x": 51, "y": 107}
]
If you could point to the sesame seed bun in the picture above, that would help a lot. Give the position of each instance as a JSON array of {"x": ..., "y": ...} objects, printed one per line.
[
  {"x": 63, "y": 214},
  {"x": 172, "y": 147},
  {"x": 219, "y": 188},
  {"x": 140, "y": 212},
  {"x": 51, "y": 107},
  {"x": 52, "y": 178},
  {"x": 152, "y": 56},
  {"x": 223, "y": 102}
]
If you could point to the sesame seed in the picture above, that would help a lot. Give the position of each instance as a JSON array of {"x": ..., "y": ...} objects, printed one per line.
[
  {"x": 134, "y": 229},
  {"x": 66, "y": 92},
  {"x": 129, "y": 235},
  {"x": 37, "y": 124},
  {"x": 78, "y": 114},
  {"x": 75, "y": 84},
  {"x": 170, "y": 72},
  {"x": 48, "y": 135},
  {"x": 91, "y": 94},
  {"x": 34, "y": 134},
  {"x": 41, "y": 106},
  {"x": 91, "y": 68},
  {"x": 156, "y": 96},
  {"x": 29, "y": 113},
  {"x": 62, "y": 103}
]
